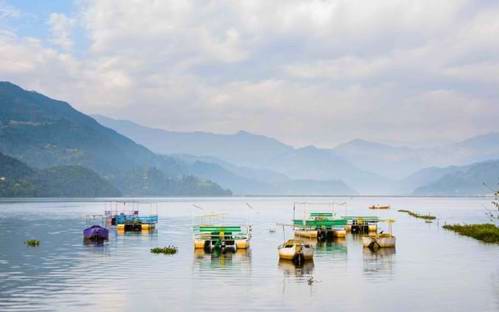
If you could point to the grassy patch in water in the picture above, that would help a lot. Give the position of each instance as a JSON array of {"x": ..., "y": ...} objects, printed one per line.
[
  {"x": 170, "y": 250},
  {"x": 488, "y": 233},
  {"x": 32, "y": 242},
  {"x": 419, "y": 216}
]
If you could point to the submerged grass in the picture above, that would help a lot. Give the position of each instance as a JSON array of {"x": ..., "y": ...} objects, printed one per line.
[
  {"x": 419, "y": 216},
  {"x": 487, "y": 232},
  {"x": 32, "y": 242},
  {"x": 169, "y": 250}
]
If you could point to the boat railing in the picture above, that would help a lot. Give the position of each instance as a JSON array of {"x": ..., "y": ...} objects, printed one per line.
[
  {"x": 362, "y": 219},
  {"x": 318, "y": 224},
  {"x": 123, "y": 219},
  {"x": 206, "y": 232}
]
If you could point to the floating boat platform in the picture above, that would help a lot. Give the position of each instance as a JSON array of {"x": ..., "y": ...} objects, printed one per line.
[
  {"x": 221, "y": 237},
  {"x": 131, "y": 222},
  {"x": 361, "y": 224},
  {"x": 320, "y": 225}
]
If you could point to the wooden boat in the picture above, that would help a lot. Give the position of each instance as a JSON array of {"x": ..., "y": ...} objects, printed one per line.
[
  {"x": 380, "y": 240},
  {"x": 296, "y": 251},
  {"x": 96, "y": 233},
  {"x": 379, "y": 207},
  {"x": 384, "y": 240}
]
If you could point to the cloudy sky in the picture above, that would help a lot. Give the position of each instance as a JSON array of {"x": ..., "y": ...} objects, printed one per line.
[{"x": 306, "y": 72}]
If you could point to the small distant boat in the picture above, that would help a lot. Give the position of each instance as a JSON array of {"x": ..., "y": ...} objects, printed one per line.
[
  {"x": 379, "y": 207},
  {"x": 96, "y": 233},
  {"x": 296, "y": 251}
]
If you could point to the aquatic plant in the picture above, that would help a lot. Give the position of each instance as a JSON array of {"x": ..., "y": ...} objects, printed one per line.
[
  {"x": 32, "y": 243},
  {"x": 487, "y": 232},
  {"x": 169, "y": 250},
  {"x": 419, "y": 216}
]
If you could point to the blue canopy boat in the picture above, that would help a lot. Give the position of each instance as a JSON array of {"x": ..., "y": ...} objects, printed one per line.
[{"x": 96, "y": 232}]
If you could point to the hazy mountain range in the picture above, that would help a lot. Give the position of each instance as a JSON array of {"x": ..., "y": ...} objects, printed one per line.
[
  {"x": 54, "y": 140},
  {"x": 368, "y": 167}
]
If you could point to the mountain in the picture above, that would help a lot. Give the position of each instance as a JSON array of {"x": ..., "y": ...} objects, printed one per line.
[
  {"x": 43, "y": 133},
  {"x": 477, "y": 149},
  {"x": 389, "y": 161},
  {"x": 248, "y": 154},
  {"x": 250, "y": 181},
  {"x": 242, "y": 148},
  {"x": 313, "y": 187},
  {"x": 397, "y": 162},
  {"x": 19, "y": 180},
  {"x": 424, "y": 177},
  {"x": 465, "y": 180}
]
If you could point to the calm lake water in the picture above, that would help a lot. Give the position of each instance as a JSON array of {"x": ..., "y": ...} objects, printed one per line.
[{"x": 431, "y": 269}]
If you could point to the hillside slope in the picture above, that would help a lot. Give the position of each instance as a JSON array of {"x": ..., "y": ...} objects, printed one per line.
[
  {"x": 43, "y": 133},
  {"x": 19, "y": 180},
  {"x": 466, "y": 180}
]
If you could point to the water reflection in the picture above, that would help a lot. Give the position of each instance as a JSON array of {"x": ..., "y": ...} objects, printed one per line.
[
  {"x": 216, "y": 260},
  {"x": 138, "y": 235},
  {"x": 290, "y": 269},
  {"x": 337, "y": 247},
  {"x": 379, "y": 261}
]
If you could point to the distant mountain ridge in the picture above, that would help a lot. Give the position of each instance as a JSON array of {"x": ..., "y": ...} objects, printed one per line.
[
  {"x": 475, "y": 179},
  {"x": 398, "y": 162},
  {"x": 248, "y": 150},
  {"x": 44, "y": 133}
]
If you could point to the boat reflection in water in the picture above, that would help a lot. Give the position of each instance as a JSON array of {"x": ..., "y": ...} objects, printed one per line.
[
  {"x": 337, "y": 246},
  {"x": 241, "y": 258},
  {"x": 144, "y": 235},
  {"x": 379, "y": 262},
  {"x": 290, "y": 269}
]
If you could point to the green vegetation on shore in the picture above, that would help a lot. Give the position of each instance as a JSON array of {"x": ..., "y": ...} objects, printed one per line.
[
  {"x": 419, "y": 216},
  {"x": 488, "y": 232},
  {"x": 170, "y": 250},
  {"x": 32, "y": 242}
]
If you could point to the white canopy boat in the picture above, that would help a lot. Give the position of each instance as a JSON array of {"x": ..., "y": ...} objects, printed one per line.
[{"x": 296, "y": 251}]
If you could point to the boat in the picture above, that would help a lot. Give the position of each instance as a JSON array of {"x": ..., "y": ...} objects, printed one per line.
[
  {"x": 131, "y": 221},
  {"x": 379, "y": 207},
  {"x": 296, "y": 250},
  {"x": 361, "y": 224},
  {"x": 96, "y": 233},
  {"x": 221, "y": 237},
  {"x": 321, "y": 226},
  {"x": 380, "y": 240}
]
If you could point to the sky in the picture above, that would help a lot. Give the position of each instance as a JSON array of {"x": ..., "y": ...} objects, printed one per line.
[{"x": 318, "y": 72}]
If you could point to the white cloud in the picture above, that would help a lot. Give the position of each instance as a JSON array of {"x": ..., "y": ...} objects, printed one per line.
[
  {"x": 308, "y": 71},
  {"x": 61, "y": 27}
]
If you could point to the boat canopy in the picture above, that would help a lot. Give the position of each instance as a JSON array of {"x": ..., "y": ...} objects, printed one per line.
[{"x": 324, "y": 223}]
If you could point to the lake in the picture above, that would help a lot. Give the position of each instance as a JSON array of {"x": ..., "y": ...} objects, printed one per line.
[{"x": 431, "y": 269}]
